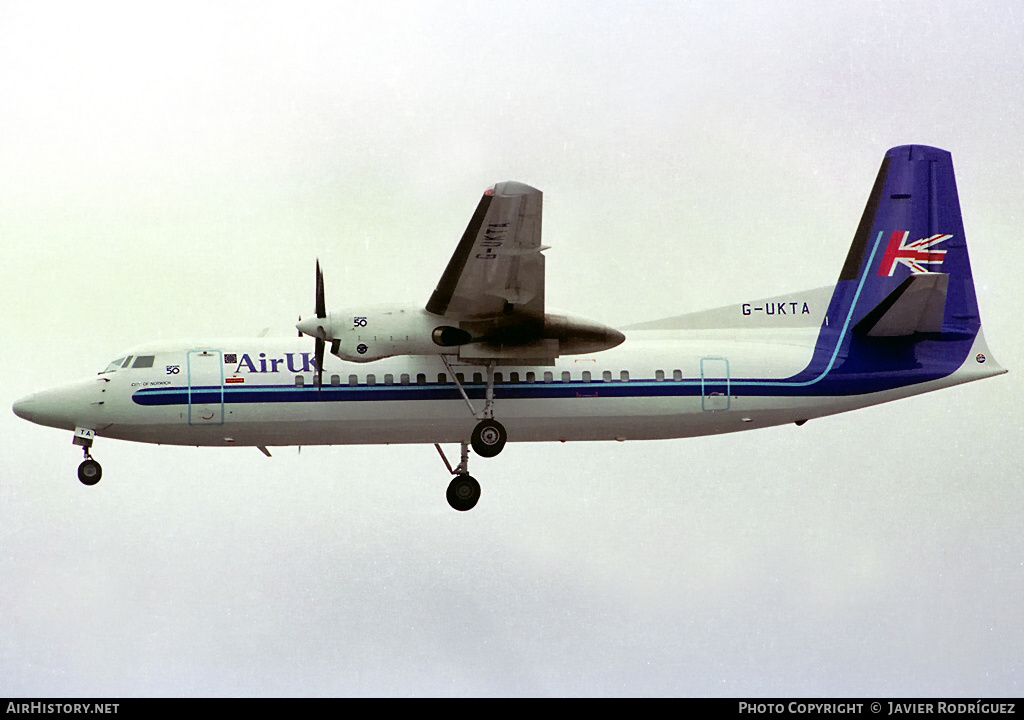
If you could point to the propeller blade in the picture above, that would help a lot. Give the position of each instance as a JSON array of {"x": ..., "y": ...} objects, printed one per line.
[
  {"x": 321, "y": 336},
  {"x": 315, "y": 328},
  {"x": 321, "y": 306},
  {"x": 320, "y": 360}
]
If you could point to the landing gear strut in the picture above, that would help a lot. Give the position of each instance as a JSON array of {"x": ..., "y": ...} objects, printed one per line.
[
  {"x": 489, "y": 435},
  {"x": 463, "y": 490},
  {"x": 89, "y": 472}
]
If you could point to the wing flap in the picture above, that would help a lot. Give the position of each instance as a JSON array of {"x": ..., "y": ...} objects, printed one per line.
[{"x": 540, "y": 352}]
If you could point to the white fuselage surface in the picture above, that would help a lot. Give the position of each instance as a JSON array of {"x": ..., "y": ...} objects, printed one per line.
[{"x": 658, "y": 384}]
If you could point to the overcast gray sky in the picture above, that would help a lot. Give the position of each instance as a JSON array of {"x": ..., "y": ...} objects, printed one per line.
[{"x": 173, "y": 170}]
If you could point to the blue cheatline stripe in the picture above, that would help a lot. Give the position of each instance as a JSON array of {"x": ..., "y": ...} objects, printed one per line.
[{"x": 554, "y": 390}]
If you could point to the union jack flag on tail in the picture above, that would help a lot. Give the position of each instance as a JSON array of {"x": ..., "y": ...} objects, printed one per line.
[{"x": 914, "y": 255}]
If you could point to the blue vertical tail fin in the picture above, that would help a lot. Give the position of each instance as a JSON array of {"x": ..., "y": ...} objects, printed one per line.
[
  {"x": 911, "y": 226},
  {"x": 904, "y": 309}
]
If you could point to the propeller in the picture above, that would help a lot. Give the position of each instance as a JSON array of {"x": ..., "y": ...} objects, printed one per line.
[
  {"x": 314, "y": 327},
  {"x": 321, "y": 334}
]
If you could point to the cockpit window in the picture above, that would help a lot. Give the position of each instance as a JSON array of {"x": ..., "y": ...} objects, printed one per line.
[
  {"x": 127, "y": 360},
  {"x": 143, "y": 361},
  {"x": 114, "y": 365}
]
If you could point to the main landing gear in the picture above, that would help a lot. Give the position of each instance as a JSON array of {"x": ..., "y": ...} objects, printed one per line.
[
  {"x": 463, "y": 490},
  {"x": 488, "y": 439},
  {"x": 89, "y": 472},
  {"x": 489, "y": 435}
]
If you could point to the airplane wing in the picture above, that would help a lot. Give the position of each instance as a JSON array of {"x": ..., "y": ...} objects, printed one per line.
[{"x": 494, "y": 282}]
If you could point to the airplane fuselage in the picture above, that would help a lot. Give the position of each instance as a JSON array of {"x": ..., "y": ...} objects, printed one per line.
[{"x": 658, "y": 384}]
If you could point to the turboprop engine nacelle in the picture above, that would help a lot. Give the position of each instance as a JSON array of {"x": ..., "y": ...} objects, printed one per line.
[{"x": 368, "y": 334}]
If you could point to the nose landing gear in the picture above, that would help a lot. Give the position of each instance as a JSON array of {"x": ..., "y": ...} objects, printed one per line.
[{"x": 89, "y": 472}]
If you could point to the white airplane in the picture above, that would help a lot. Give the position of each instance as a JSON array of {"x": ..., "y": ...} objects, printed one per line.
[{"x": 902, "y": 320}]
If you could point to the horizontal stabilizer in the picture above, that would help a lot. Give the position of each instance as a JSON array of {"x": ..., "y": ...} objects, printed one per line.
[
  {"x": 804, "y": 309},
  {"x": 917, "y": 305}
]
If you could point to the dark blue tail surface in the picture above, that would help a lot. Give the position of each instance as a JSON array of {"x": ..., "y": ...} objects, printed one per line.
[{"x": 904, "y": 310}]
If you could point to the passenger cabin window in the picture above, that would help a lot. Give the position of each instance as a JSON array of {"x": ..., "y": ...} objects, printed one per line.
[
  {"x": 389, "y": 379},
  {"x": 441, "y": 379},
  {"x": 677, "y": 375},
  {"x": 299, "y": 381},
  {"x": 530, "y": 377},
  {"x": 335, "y": 379},
  {"x": 624, "y": 376},
  {"x": 607, "y": 375},
  {"x": 353, "y": 380},
  {"x": 548, "y": 376},
  {"x": 498, "y": 378},
  {"x": 586, "y": 376},
  {"x": 371, "y": 379},
  {"x": 659, "y": 375},
  {"x": 478, "y": 378},
  {"x": 404, "y": 379},
  {"x": 513, "y": 377},
  {"x": 143, "y": 361},
  {"x": 421, "y": 379},
  {"x": 566, "y": 377}
]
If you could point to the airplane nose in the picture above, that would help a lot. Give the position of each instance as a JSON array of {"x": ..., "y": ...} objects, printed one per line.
[
  {"x": 62, "y": 407},
  {"x": 24, "y": 408}
]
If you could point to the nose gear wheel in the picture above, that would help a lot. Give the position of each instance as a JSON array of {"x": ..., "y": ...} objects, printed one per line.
[{"x": 89, "y": 472}]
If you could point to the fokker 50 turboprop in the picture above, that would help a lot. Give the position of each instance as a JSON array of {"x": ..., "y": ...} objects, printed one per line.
[{"x": 484, "y": 360}]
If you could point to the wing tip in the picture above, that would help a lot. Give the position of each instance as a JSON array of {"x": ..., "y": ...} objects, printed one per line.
[{"x": 511, "y": 188}]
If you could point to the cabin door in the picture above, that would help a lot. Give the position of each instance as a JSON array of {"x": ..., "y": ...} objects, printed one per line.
[
  {"x": 714, "y": 384},
  {"x": 205, "y": 387}
]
